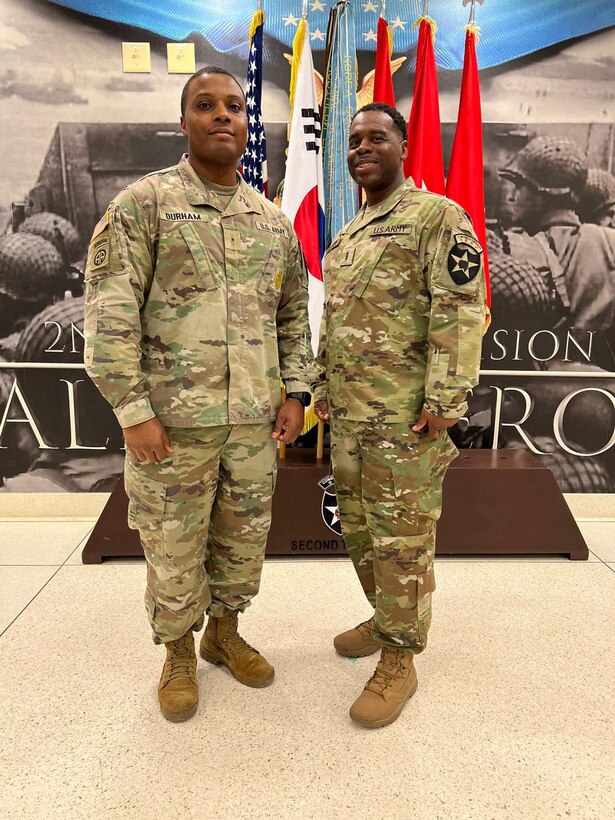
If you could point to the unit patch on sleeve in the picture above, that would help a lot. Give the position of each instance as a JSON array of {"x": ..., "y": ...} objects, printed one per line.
[
  {"x": 99, "y": 253},
  {"x": 464, "y": 259},
  {"x": 100, "y": 225}
]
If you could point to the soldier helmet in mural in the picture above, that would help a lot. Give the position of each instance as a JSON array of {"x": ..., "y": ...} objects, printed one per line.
[
  {"x": 598, "y": 196},
  {"x": 31, "y": 269},
  {"x": 54, "y": 337},
  {"x": 519, "y": 292},
  {"x": 57, "y": 230},
  {"x": 576, "y": 473},
  {"x": 551, "y": 165},
  {"x": 54, "y": 334}
]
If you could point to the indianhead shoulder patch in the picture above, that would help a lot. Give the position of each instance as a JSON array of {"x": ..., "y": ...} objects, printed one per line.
[{"x": 464, "y": 259}]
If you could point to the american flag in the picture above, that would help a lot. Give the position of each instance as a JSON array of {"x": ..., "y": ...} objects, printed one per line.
[{"x": 254, "y": 161}]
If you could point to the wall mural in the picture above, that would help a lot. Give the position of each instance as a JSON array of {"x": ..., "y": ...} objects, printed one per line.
[{"x": 77, "y": 130}]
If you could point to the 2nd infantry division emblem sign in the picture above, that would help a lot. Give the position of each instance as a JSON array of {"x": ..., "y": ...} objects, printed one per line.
[
  {"x": 464, "y": 259},
  {"x": 328, "y": 505}
]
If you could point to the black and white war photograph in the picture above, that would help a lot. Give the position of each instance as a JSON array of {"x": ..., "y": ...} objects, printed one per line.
[
  {"x": 307, "y": 409},
  {"x": 76, "y": 130}
]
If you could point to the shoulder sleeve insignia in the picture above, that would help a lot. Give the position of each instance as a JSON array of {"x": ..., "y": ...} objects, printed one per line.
[
  {"x": 101, "y": 225},
  {"x": 464, "y": 259}
]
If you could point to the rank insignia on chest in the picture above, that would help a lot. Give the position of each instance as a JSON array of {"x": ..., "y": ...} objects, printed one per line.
[
  {"x": 464, "y": 259},
  {"x": 347, "y": 257}
]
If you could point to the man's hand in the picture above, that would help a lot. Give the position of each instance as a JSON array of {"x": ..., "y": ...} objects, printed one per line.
[
  {"x": 289, "y": 422},
  {"x": 321, "y": 408},
  {"x": 148, "y": 442},
  {"x": 433, "y": 424}
]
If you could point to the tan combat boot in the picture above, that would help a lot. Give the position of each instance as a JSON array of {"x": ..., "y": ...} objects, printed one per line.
[
  {"x": 388, "y": 689},
  {"x": 357, "y": 642},
  {"x": 178, "y": 693},
  {"x": 222, "y": 644}
]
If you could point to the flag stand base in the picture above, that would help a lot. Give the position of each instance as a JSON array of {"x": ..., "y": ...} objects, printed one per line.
[{"x": 495, "y": 502}]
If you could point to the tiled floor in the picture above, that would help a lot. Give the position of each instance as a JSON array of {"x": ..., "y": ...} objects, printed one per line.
[{"x": 514, "y": 716}]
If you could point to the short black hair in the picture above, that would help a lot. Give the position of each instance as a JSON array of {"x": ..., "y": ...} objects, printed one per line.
[
  {"x": 398, "y": 119},
  {"x": 209, "y": 69}
]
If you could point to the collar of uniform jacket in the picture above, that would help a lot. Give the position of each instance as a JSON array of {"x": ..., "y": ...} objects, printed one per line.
[
  {"x": 365, "y": 217},
  {"x": 560, "y": 218},
  {"x": 245, "y": 200}
]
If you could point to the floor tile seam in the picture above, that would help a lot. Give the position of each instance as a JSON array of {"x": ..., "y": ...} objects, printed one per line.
[
  {"x": 75, "y": 548},
  {"x": 34, "y": 597},
  {"x": 25, "y": 566},
  {"x": 599, "y": 520}
]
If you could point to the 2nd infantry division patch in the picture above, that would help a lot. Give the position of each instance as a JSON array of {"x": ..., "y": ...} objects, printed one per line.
[{"x": 464, "y": 259}]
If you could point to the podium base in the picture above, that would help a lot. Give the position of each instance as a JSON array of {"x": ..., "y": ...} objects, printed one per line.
[{"x": 495, "y": 502}]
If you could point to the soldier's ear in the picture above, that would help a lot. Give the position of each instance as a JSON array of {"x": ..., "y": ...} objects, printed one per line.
[
  {"x": 404, "y": 149},
  {"x": 182, "y": 125}
]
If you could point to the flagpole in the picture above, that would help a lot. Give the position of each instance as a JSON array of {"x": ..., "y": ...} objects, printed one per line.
[
  {"x": 304, "y": 12},
  {"x": 472, "y": 20},
  {"x": 383, "y": 9}
]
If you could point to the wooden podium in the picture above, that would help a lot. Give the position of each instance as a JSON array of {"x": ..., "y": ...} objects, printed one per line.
[{"x": 495, "y": 502}]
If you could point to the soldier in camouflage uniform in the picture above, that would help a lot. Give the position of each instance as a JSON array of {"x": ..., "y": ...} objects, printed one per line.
[
  {"x": 196, "y": 307},
  {"x": 400, "y": 349}
]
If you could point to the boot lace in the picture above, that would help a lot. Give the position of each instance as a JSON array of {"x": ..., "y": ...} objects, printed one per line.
[
  {"x": 365, "y": 628},
  {"x": 238, "y": 645},
  {"x": 182, "y": 662},
  {"x": 234, "y": 642},
  {"x": 389, "y": 668}
]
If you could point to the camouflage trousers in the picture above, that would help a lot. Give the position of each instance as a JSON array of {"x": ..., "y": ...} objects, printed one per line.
[
  {"x": 389, "y": 493},
  {"x": 203, "y": 515}
]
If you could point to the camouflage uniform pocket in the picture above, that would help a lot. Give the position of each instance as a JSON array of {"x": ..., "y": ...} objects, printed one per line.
[
  {"x": 389, "y": 276},
  {"x": 146, "y": 506},
  {"x": 202, "y": 263},
  {"x": 270, "y": 281}
]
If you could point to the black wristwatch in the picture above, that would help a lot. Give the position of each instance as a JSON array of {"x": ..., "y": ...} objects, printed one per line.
[{"x": 304, "y": 397}]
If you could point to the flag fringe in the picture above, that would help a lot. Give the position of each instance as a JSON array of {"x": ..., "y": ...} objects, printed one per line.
[
  {"x": 298, "y": 41},
  {"x": 475, "y": 30},
  {"x": 432, "y": 24},
  {"x": 310, "y": 420},
  {"x": 487, "y": 319},
  {"x": 257, "y": 20}
]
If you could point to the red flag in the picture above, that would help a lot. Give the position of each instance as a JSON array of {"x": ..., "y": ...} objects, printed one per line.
[
  {"x": 465, "y": 182},
  {"x": 383, "y": 78},
  {"x": 424, "y": 161}
]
